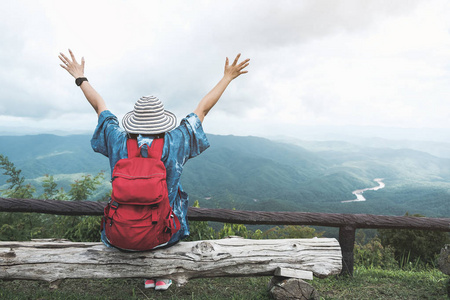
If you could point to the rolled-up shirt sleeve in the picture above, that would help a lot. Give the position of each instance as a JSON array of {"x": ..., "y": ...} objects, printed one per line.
[
  {"x": 108, "y": 138},
  {"x": 187, "y": 140},
  {"x": 107, "y": 123}
]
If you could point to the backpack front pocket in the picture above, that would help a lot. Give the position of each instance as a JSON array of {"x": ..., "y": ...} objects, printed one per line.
[
  {"x": 139, "y": 190},
  {"x": 139, "y": 181}
]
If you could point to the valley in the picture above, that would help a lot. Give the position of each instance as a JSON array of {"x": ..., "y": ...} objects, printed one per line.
[{"x": 281, "y": 176}]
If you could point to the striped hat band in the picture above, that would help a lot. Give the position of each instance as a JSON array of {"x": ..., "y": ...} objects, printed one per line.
[{"x": 149, "y": 117}]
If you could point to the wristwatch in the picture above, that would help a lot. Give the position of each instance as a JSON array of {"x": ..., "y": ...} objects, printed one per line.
[{"x": 80, "y": 80}]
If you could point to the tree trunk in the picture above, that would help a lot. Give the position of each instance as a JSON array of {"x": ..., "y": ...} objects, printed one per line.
[
  {"x": 444, "y": 260},
  {"x": 54, "y": 260}
]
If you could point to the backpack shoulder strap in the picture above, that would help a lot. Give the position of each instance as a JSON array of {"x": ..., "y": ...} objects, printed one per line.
[
  {"x": 156, "y": 148},
  {"x": 133, "y": 148}
]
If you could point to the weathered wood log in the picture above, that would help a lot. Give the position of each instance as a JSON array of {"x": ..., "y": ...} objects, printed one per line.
[
  {"x": 235, "y": 257},
  {"x": 240, "y": 217}
]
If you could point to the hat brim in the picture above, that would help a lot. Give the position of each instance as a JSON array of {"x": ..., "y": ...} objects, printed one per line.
[{"x": 134, "y": 125}]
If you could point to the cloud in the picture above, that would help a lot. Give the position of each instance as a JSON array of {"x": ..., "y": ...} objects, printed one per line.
[{"x": 312, "y": 62}]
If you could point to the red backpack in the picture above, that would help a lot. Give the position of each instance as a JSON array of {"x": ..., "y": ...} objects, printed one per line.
[{"x": 139, "y": 216}]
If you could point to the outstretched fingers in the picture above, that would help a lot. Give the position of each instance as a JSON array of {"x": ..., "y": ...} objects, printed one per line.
[
  {"x": 236, "y": 68},
  {"x": 244, "y": 64},
  {"x": 73, "y": 56},
  {"x": 62, "y": 58},
  {"x": 71, "y": 65},
  {"x": 236, "y": 59},
  {"x": 64, "y": 61}
]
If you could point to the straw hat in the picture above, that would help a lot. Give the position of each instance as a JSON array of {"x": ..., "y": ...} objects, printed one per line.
[{"x": 149, "y": 117}]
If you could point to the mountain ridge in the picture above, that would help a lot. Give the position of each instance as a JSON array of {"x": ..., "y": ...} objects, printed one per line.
[{"x": 260, "y": 174}]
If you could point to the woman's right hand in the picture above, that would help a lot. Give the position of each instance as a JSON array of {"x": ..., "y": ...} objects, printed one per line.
[
  {"x": 234, "y": 70},
  {"x": 71, "y": 65}
]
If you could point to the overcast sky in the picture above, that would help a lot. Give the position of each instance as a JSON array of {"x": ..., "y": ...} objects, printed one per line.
[{"x": 313, "y": 63}]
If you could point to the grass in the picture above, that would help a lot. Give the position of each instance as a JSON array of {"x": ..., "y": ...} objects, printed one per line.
[
  {"x": 366, "y": 284},
  {"x": 371, "y": 283}
]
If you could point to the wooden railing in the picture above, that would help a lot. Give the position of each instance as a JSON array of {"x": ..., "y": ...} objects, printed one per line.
[{"x": 347, "y": 223}]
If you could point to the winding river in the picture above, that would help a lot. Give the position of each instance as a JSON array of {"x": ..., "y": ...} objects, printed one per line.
[{"x": 359, "y": 193}]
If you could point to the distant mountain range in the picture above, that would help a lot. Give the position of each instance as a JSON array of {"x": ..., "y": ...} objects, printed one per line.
[{"x": 254, "y": 173}]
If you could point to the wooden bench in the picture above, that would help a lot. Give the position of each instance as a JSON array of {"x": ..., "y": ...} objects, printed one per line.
[
  {"x": 55, "y": 260},
  {"x": 347, "y": 223}
]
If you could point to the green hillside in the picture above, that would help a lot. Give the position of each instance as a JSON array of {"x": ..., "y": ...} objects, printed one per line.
[
  {"x": 259, "y": 174},
  {"x": 38, "y": 155}
]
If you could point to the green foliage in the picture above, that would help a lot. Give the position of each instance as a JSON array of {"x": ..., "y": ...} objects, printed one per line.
[
  {"x": 82, "y": 189},
  {"x": 257, "y": 235},
  {"x": 17, "y": 188},
  {"x": 291, "y": 232},
  {"x": 51, "y": 190},
  {"x": 200, "y": 230},
  {"x": 50, "y": 187},
  {"x": 8, "y": 232},
  {"x": 233, "y": 229},
  {"x": 374, "y": 255},
  {"x": 25, "y": 226},
  {"x": 412, "y": 246},
  {"x": 86, "y": 229}
]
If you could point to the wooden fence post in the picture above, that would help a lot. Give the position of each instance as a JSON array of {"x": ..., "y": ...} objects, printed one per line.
[{"x": 347, "y": 242}]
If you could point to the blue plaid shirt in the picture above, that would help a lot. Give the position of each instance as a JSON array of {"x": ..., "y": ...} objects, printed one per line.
[{"x": 182, "y": 143}]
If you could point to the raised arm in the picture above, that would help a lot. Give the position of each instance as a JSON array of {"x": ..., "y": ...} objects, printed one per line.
[
  {"x": 77, "y": 70},
  {"x": 231, "y": 72}
]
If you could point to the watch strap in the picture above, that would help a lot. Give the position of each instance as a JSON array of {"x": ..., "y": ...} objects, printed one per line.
[{"x": 80, "y": 80}]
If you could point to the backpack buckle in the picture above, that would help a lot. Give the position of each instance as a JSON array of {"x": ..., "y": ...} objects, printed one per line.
[{"x": 155, "y": 214}]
